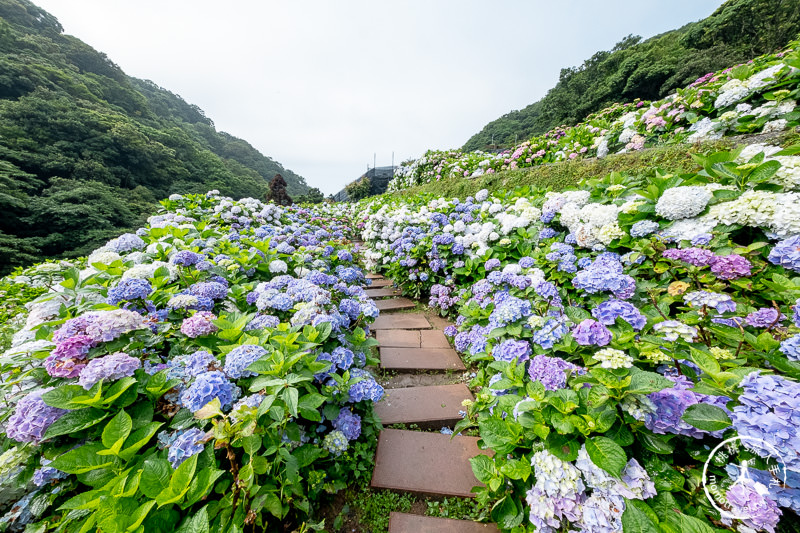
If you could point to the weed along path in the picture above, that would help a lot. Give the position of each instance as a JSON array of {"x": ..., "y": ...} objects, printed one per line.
[{"x": 426, "y": 463}]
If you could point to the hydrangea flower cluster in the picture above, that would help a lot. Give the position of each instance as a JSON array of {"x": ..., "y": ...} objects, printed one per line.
[{"x": 31, "y": 418}]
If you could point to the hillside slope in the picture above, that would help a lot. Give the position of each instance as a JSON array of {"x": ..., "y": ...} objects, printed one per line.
[
  {"x": 85, "y": 150},
  {"x": 650, "y": 69}
]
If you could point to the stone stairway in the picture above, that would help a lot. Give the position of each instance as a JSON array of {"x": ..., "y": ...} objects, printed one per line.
[{"x": 420, "y": 462}]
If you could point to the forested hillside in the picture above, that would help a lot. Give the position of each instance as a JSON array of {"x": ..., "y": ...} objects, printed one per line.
[
  {"x": 85, "y": 150},
  {"x": 650, "y": 69}
]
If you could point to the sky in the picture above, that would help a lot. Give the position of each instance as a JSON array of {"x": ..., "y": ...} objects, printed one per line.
[{"x": 323, "y": 86}]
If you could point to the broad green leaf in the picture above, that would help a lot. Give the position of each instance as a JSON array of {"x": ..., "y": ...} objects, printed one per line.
[
  {"x": 507, "y": 513},
  {"x": 498, "y": 435},
  {"x": 484, "y": 468},
  {"x": 75, "y": 421},
  {"x": 706, "y": 417},
  {"x": 156, "y": 472},
  {"x": 636, "y": 521},
  {"x": 643, "y": 382},
  {"x": 81, "y": 460},
  {"x": 290, "y": 396},
  {"x": 607, "y": 454},
  {"x": 117, "y": 429}
]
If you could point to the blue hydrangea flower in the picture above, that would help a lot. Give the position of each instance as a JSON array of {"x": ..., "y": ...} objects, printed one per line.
[
  {"x": 186, "y": 258},
  {"x": 787, "y": 253},
  {"x": 208, "y": 386},
  {"x": 590, "y": 332},
  {"x": 607, "y": 313},
  {"x": 348, "y": 423},
  {"x": 237, "y": 361},
  {"x": 187, "y": 444},
  {"x": 791, "y": 348},
  {"x": 209, "y": 289},
  {"x": 364, "y": 389},
  {"x": 551, "y": 332},
  {"x": 129, "y": 289},
  {"x": 551, "y": 371}
]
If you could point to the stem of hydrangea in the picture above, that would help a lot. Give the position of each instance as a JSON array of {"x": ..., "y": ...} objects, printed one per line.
[
  {"x": 655, "y": 304},
  {"x": 235, "y": 472}
]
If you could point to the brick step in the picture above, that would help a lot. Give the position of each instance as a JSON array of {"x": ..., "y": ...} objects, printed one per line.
[
  {"x": 431, "y": 407},
  {"x": 412, "y": 523},
  {"x": 425, "y": 463},
  {"x": 395, "y": 304},
  {"x": 374, "y": 276},
  {"x": 383, "y": 293},
  {"x": 378, "y": 283},
  {"x": 409, "y": 359},
  {"x": 404, "y": 321},
  {"x": 411, "y": 338}
]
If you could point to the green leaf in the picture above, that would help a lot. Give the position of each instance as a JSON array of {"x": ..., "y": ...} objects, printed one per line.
[
  {"x": 607, "y": 454},
  {"x": 81, "y": 460},
  {"x": 706, "y": 362},
  {"x": 75, "y": 421},
  {"x": 139, "y": 515},
  {"x": 484, "y": 468},
  {"x": 656, "y": 443},
  {"x": 497, "y": 434},
  {"x": 515, "y": 469},
  {"x": 155, "y": 476},
  {"x": 63, "y": 397},
  {"x": 290, "y": 396},
  {"x": 117, "y": 430},
  {"x": 507, "y": 513},
  {"x": 179, "y": 483},
  {"x": 636, "y": 521},
  {"x": 687, "y": 524},
  {"x": 643, "y": 382},
  {"x": 706, "y": 417},
  {"x": 197, "y": 523},
  {"x": 138, "y": 439}
]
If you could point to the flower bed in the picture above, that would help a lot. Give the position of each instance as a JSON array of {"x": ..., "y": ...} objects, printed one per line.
[
  {"x": 621, "y": 332},
  {"x": 757, "y": 97},
  {"x": 204, "y": 374}
]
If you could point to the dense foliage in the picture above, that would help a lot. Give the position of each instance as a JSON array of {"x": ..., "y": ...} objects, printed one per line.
[
  {"x": 86, "y": 151},
  {"x": 757, "y": 97},
  {"x": 205, "y": 373},
  {"x": 621, "y": 331},
  {"x": 650, "y": 69}
]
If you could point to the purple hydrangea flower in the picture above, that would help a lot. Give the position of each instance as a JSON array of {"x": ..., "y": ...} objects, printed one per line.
[
  {"x": 547, "y": 233},
  {"x": 31, "y": 418},
  {"x": 796, "y": 313},
  {"x": 512, "y": 350},
  {"x": 69, "y": 356},
  {"x": 760, "y": 511},
  {"x": 237, "y": 361},
  {"x": 590, "y": 332},
  {"x": 348, "y": 423},
  {"x": 731, "y": 267},
  {"x": 108, "y": 368},
  {"x": 199, "y": 324},
  {"x": 526, "y": 262},
  {"x": 607, "y": 313},
  {"x": 551, "y": 371},
  {"x": 787, "y": 253},
  {"x": 764, "y": 318},
  {"x": 187, "y": 444},
  {"x": 698, "y": 257},
  {"x": 206, "y": 387},
  {"x": 671, "y": 403},
  {"x": 186, "y": 258}
]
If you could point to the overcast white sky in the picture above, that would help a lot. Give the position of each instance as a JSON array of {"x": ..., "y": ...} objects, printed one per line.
[{"x": 321, "y": 85}]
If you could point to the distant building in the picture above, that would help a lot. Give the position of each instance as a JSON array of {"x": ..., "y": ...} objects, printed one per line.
[{"x": 379, "y": 178}]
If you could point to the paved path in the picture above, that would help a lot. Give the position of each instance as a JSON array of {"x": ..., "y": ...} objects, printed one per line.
[{"x": 420, "y": 462}]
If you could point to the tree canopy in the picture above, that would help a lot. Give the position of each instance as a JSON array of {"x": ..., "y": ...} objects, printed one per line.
[
  {"x": 650, "y": 69},
  {"x": 85, "y": 150}
]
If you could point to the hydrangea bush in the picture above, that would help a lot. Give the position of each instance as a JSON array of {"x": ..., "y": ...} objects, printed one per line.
[
  {"x": 203, "y": 374},
  {"x": 756, "y": 97},
  {"x": 620, "y": 332}
]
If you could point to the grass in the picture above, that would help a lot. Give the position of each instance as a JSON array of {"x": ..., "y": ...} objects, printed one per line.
[{"x": 675, "y": 158}]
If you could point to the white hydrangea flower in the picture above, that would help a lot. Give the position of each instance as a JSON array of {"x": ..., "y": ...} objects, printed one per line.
[
  {"x": 277, "y": 266},
  {"x": 612, "y": 358},
  {"x": 683, "y": 202}
]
